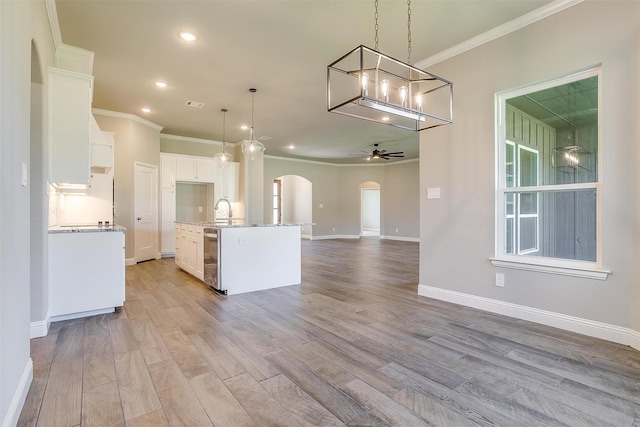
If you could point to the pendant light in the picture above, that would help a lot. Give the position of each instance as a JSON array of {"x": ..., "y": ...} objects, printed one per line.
[
  {"x": 369, "y": 85},
  {"x": 252, "y": 149},
  {"x": 223, "y": 159}
]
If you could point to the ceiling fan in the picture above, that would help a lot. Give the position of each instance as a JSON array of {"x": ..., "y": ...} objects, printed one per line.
[{"x": 382, "y": 154}]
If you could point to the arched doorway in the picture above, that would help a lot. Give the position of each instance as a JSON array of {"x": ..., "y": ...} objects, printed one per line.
[
  {"x": 292, "y": 202},
  {"x": 370, "y": 209}
]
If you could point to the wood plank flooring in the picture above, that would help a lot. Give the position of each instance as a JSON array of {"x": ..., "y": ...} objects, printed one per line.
[{"x": 353, "y": 345}]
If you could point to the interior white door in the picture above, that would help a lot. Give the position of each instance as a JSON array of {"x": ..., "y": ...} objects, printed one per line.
[{"x": 146, "y": 211}]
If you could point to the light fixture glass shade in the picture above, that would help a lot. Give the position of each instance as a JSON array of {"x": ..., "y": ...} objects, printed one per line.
[
  {"x": 223, "y": 159},
  {"x": 252, "y": 149},
  {"x": 369, "y": 85}
]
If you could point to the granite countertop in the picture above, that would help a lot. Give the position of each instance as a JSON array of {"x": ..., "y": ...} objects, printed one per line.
[
  {"x": 86, "y": 228},
  {"x": 225, "y": 225}
]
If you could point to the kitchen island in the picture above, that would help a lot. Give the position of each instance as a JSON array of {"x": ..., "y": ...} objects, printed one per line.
[
  {"x": 236, "y": 259},
  {"x": 86, "y": 265}
]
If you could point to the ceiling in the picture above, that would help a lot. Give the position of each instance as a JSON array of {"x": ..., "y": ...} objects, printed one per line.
[{"x": 281, "y": 48}]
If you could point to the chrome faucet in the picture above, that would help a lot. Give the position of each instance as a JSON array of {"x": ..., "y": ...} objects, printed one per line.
[{"x": 228, "y": 204}]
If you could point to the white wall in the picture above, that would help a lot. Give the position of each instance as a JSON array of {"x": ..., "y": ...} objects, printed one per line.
[
  {"x": 135, "y": 140},
  {"x": 21, "y": 23},
  {"x": 457, "y": 231}
]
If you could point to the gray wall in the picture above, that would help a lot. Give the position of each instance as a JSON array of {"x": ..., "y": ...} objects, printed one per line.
[
  {"x": 133, "y": 142},
  {"x": 337, "y": 188},
  {"x": 22, "y": 25},
  {"x": 457, "y": 231}
]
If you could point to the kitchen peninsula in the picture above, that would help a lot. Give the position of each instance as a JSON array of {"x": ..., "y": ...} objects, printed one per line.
[
  {"x": 86, "y": 266},
  {"x": 235, "y": 259}
]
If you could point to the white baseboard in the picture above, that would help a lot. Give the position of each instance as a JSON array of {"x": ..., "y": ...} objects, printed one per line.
[
  {"x": 39, "y": 329},
  {"x": 168, "y": 254},
  {"x": 402, "y": 239},
  {"x": 306, "y": 236},
  {"x": 130, "y": 261},
  {"x": 83, "y": 314},
  {"x": 335, "y": 236},
  {"x": 19, "y": 397},
  {"x": 635, "y": 340},
  {"x": 588, "y": 327}
]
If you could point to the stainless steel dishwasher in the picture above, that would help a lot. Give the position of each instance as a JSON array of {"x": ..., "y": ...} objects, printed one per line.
[{"x": 211, "y": 259}]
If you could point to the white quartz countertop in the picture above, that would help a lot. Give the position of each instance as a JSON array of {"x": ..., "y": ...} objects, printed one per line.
[
  {"x": 224, "y": 225},
  {"x": 86, "y": 229}
]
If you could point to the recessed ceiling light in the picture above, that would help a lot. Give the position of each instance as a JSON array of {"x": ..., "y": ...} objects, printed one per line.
[
  {"x": 385, "y": 118},
  {"x": 187, "y": 36},
  {"x": 160, "y": 84},
  {"x": 244, "y": 127},
  {"x": 291, "y": 147},
  {"x": 146, "y": 110}
]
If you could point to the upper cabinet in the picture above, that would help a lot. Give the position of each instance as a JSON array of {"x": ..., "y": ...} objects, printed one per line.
[
  {"x": 70, "y": 96},
  {"x": 168, "y": 171},
  {"x": 195, "y": 169},
  {"x": 101, "y": 149},
  {"x": 227, "y": 182}
]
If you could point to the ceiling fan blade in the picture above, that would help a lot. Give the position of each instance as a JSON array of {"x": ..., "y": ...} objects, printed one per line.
[
  {"x": 396, "y": 155},
  {"x": 397, "y": 152}
]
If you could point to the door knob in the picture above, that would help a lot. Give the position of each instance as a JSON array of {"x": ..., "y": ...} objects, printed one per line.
[{"x": 139, "y": 218}]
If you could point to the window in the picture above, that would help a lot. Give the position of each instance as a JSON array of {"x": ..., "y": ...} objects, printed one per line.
[
  {"x": 277, "y": 201},
  {"x": 548, "y": 177}
]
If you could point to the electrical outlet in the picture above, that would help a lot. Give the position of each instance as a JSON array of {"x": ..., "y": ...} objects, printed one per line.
[
  {"x": 334, "y": 229},
  {"x": 433, "y": 193},
  {"x": 396, "y": 230},
  {"x": 199, "y": 208},
  {"x": 500, "y": 280}
]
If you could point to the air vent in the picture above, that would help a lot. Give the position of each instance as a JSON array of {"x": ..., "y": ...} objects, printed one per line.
[{"x": 194, "y": 104}]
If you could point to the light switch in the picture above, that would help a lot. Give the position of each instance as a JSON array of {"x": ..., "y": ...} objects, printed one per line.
[
  {"x": 321, "y": 205},
  {"x": 433, "y": 193}
]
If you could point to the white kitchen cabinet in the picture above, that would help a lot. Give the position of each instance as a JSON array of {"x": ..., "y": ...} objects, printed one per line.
[
  {"x": 102, "y": 152},
  {"x": 227, "y": 182},
  {"x": 168, "y": 205},
  {"x": 69, "y": 126},
  {"x": 195, "y": 169},
  {"x": 177, "y": 233},
  {"x": 86, "y": 273},
  {"x": 190, "y": 249},
  {"x": 168, "y": 216},
  {"x": 168, "y": 171}
]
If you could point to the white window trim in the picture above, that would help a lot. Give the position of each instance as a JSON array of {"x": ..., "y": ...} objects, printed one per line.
[{"x": 565, "y": 267}]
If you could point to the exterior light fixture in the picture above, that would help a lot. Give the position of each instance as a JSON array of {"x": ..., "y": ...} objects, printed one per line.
[
  {"x": 252, "y": 149},
  {"x": 222, "y": 158},
  {"x": 369, "y": 85}
]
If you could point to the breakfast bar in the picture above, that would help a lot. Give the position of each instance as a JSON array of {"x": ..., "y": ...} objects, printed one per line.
[{"x": 235, "y": 259}]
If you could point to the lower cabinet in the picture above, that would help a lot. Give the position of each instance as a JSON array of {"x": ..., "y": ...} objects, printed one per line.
[
  {"x": 190, "y": 249},
  {"x": 86, "y": 273}
]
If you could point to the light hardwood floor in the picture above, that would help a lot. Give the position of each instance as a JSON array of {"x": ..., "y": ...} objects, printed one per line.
[{"x": 353, "y": 345}]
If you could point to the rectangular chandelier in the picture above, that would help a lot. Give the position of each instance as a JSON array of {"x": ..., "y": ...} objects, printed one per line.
[{"x": 369, "y": 85}]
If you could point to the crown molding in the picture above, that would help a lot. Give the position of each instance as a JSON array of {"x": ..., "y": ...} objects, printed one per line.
[
  {"x": 191, "y": 139},
  {"x": 52, "y": 14},
  {"x": 127, "y": 116},
  {"x": 499, "y": 31},
  {"x": 339, "y": 165}
]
